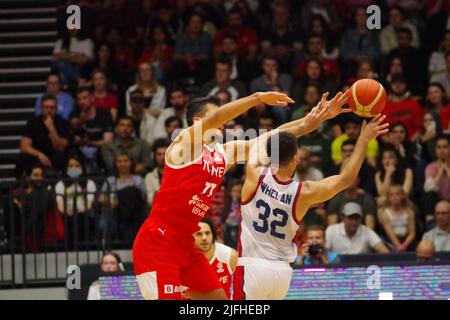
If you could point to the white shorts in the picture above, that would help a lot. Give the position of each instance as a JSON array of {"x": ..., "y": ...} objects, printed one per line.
[{"x": 258, "y": 279}]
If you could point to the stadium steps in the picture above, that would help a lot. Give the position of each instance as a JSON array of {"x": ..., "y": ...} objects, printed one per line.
[{"x": 28, "y": 32}]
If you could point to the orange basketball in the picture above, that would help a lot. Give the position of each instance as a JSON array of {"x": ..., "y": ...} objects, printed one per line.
[{"x": 367, "y": 97}]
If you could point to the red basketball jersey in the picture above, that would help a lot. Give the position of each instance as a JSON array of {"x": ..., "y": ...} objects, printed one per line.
[
  {"x": 186, "y": 193},
  {"x": 221, "y": 265}
]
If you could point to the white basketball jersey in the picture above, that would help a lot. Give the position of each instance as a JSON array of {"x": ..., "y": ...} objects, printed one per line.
[{"x": 268, "y": 225}]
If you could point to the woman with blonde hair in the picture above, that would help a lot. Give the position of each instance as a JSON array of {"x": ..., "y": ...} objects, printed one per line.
[
  {"x": 154, "y": 93},
  {"x": 398, "y": 219}
]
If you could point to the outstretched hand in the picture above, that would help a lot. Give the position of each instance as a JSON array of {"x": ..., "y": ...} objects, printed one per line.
[
  {"x": 334, "y": 107},
  {"x": 272, "y": 98},
  {"x": 375, "y": 127}
]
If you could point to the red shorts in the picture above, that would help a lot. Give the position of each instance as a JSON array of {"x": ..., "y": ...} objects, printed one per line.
[{"x": 164, "y": 265}]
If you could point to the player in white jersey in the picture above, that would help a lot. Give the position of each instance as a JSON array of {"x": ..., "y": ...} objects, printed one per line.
[{"x": 273, "y": 204}]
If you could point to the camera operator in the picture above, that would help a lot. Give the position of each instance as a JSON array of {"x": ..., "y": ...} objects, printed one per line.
[{"x": 313, "y": 250}]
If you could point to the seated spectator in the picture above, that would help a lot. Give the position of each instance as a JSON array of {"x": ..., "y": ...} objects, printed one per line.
[
  {"x": 437, "y": 62},
  {"x": 427, "y": 140},
  {"x": 393, "y": 65},
  {"x": 192, "y": 50},
  {"x": 273, "y": 80},
  {"x": 315, "y": 48},
  {"x": 398, "y": 138},
  {"x": 125, "y": 142},
  {"x": 63, "y": 99},
  {"x": 359, "y": 43},
  {"x": 232, "y": 214},
  {"x": 123, "y": 55},
  {"x": 444, "y": 77},
  {"x": 102, "y": 98},
  {"x": 440, "y": 235},
  {"x": 282, "y": 38},
  {"x": 355, "y": 194},
  {"x": 414, "y": 63},
  {"x": 352, "y": 129},
  {"x": 172, "y": 127},
  {"x": 45, "y": 139},
  {"x": 401, "y": 108},
  {"x": 397, "y": 20},
  {"x": 325, "y": 8},
  {"x": 144, "y": 123},
  {"x": 178, "y": 100},
  {"x": 425, "y": 251},
  {"x": 159, "y": 53},
  {"x": 75, "y": 196},
  {"x": 164, "y": 14},
  {"x": 314, "y": 251},
  {"x": 350, "y": 237},
  {"x": 104, "y": 61},
  {"x": 110, "y": 262},
  {"x": 391, "y": 171},
  {"x": 153, "y": 179},
  {"x": 154, "y": 93},
  {"x": 92, "y": 127},
  {"x": 124, "y": 200},
  {"x": 319, "y": 147},
  {"x": 39, "y": 224},
  {"x": 437, "y": 178},
  {"x": 319, "y": 25},
  {"x": 305, "y": 170},
  {"x": 71, "y": 55},
  {"x": 242, "y": 69},
  {"x": 314, "y": 75},
  {"x": 398, "y": 220},
  {"x": 246, "y": 37},
  {"x": 364, "y": 69},
  {"x": 436, "y": 104},
  {"x": 311, "y": 98},
  {"x": 223, "y": 81}
]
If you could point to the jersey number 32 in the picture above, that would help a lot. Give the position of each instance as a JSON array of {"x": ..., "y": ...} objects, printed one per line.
[{"x": 264, "y": 213}]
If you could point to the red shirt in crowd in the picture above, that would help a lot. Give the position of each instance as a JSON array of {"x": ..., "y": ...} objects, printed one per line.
[
  {"x": 151, "y": 54},
  {"x": 245, "y": 37},
  {"x": 409, "y": 112},
  {"x": 108, "y": 102},
  {"x": 445, "y": 118}
]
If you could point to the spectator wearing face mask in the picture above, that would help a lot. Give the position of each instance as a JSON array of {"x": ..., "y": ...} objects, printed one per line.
[{"x": 75, "y": 198}]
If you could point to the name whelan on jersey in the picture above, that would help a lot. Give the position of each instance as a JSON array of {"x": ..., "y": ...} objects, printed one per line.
[{"x": 282, "y": 197}]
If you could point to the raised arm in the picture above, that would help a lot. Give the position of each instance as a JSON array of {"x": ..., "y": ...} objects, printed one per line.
[
  {"x": 190, "y": 141},
  {"x": 319, "y": 191},
  {"x": 238, "y": 151}
]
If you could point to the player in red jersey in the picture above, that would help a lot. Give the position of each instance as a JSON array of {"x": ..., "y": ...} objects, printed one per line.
[
  {"x": 164, "y": 254},
  {"x": 223, "y": 259}
]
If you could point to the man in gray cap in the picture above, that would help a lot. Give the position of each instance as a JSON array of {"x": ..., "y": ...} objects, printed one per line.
[{"x": 350, "y": 236}]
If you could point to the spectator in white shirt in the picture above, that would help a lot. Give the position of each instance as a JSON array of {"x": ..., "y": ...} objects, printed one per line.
[
  {"x": 70, "y": 55},
  {"x": 440, "y": 235},
  {"x": 178, "y": 100},
  {"x": 144, "y": 123},
  {"x": 350, "y": 236}
]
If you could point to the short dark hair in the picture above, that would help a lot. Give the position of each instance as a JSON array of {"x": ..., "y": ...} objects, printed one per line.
[
  {"x": 172, "y": 119},
  {"x": 197, "y": 107},
  {"x": 160, "y": 143},
  {"x": 441, "y": 137},
  {"x": 47, "y": 97},
  {"x": 54, "y": 74},
  {"x": 398, "y": 8},
  {"x": 404, "y": 30},
  {"x": 315, "y": 227},
  {"x": 287, "y": 148},
  {"x": 84, "y": 89},
  {"x": 348, "y": 142},
  {"x": 124, "y": 117},
  {"x": 211, "y": 225},
  {"x": 224, "y": 60},
  {"x": 175, "y": 89}
]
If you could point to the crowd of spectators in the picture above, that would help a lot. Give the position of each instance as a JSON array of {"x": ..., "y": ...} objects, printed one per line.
[{"x": 119, "y": 87}]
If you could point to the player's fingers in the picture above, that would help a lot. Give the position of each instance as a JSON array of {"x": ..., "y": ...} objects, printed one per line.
[
  {"x": 383, "y": 131},
  {"x": 383, "y": 126},
  {"x": 345, "y": 110},
  {"x": 344, "y": 97},
  {"x": 325, "y": 96},
  {"x": 289, "y": 99},
  {"x": 375, "y": 118},
  {"x": 281, "y": 103},
  {"x": 381, "y": 118},
  {"x": 337, "y": 96}
]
